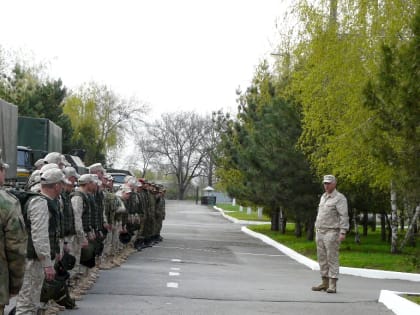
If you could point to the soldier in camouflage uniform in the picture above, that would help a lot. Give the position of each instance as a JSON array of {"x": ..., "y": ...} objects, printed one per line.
[
  {"x": 134, "y": 209},
  {"x": 120, "y": 217},
  {"x": 332, "y": 224},
  {"x": 124, "y": 193},
  {"x": 81, "y": 210},
  {"x": 68, "y": 222},
  {"x": 150, "y": 225},
  {"x": 139, "y": 242},
  {"x": 41, "y": 219},
  {"x": 160, "y": 213},
  {"x": 111, "y": 205},
  {"x": 13, "y": 240}
]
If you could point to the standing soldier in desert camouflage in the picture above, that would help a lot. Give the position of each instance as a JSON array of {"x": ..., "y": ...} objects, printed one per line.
[
  {"x": 332, "y": 224},
  {"x": 41, "y": 219},
  {"x": 12, "y": 243}
]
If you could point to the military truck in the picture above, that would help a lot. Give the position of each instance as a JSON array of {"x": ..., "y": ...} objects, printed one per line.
[
  {"x": 40, "y": 134},
  {"x": 8, "y": 137}
]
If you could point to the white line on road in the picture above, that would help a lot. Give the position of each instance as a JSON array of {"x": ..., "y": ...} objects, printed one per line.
[
  {"x": 173, "y": 274},
  {"x": 239, "y": 253},
  {"x": 218, "y": 251},
  {"x": 176, "y": 260},
  {"x": 172, "y": 285}
]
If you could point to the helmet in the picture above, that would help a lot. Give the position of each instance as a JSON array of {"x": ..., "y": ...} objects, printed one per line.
[
  {"x": 125, "y": 237},
  {"x": 52, "y": 290},
  {"x": 87, "y": 255},
  {"x": 60, "y": 272},
  {"x": 68, "y": 261}
]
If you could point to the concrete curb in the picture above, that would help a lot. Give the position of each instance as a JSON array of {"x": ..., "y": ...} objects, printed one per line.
[
  {"x": 236, "y": 221},
  {"x": 398, "y": 304},
  {"x": 391, "y": 299},
  {"x": 366, "y": 273}
]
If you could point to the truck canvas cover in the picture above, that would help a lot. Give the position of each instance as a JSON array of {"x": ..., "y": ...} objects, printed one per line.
[
  {"x": 40, "y": 134},
  {"x": 8, "y": 136}
]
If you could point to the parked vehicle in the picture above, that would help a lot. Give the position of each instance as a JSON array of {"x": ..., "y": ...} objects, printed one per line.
[
  {"x": 118, "y": 179},
  {"x": 8, "y": 137},
  {"x": 39, "y": 134}
]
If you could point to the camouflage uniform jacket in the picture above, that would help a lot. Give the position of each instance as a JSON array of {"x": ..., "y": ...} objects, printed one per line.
[
  {"x": 13, "y": 240},
  {"x": 111, "y": 205},
  {"x": 332, "y": 212}
]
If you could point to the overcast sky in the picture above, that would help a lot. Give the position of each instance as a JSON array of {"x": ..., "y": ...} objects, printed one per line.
[{"x": 171, "y": 54}]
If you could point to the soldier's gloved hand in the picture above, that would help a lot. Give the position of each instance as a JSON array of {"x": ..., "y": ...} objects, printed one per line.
[{"x": 49, "y": 273}]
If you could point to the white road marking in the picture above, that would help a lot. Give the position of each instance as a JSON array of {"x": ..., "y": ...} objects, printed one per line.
[
  {"x": 173, "y": 274},
  {"x": 172, "y": 285},
  {"x": 175, "y": 269},
  {"x": 176, "y": 260},
  {"x": 218, "y": 251}
]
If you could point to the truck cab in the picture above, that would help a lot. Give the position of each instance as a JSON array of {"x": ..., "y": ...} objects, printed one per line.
[{"x": 25, "y": 162}]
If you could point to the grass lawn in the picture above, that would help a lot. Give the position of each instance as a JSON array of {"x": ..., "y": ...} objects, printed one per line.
[
  {"x": 234, "y": 212},
  {"x": 413, "y": 298},
  {"x": 370, "y": 253}
]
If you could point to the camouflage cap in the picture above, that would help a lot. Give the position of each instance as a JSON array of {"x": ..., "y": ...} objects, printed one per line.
[
  {"x": 97, "y": 167},
  {"x": 40, "y": 162},
  {"x": 329, "y": 179},
  {"x": 55, "y": 157},
  {"x": 52, "y": 176},
  {"x": 48, "y": 166},
  {"x": 2, "y": 163},
  {"x": 70, "y": 171},
  {"x": 86, "y": 179},
  {"x": 34, "y": 179}
]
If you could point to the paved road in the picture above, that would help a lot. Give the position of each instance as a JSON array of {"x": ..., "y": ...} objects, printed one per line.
[{"x": 206, "y": 265}]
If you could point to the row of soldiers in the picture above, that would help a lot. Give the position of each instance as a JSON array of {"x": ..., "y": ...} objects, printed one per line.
[{"x": 67, "y": 216}]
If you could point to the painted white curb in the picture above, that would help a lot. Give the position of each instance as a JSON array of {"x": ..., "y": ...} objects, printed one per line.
[
  {"x": 284, "y": 249},
  {"x": 367, "y": 273},
  {"x": 236, "y": 221},
  {"x": 398, "y": 304}
]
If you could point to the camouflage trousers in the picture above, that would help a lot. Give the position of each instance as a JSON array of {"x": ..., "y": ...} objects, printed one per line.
[
  {"x": 1, "y": 309},
  {"x": 28, "y": 300},
  {"x": 116, "y": 244},
  {"x": 108, "y": 244},
  {"x": 328, "y": 245}
]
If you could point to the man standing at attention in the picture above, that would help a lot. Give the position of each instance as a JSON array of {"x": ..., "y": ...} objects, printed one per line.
[
  {"x": 41, "y": 219},
  {"x": 12, "y": 243},
  {"x": 332, "y": 224}
]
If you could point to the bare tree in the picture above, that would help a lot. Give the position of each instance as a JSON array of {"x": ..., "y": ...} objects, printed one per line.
[
  {"x": 180, "y": 143},
  {"x": 211, "y": 140},
  {"x": 146, "y": 152}
]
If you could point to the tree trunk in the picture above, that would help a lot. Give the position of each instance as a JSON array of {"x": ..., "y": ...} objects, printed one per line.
[
  {"x": 394, "y": 221},
  {"x": 282, "y": 221},
  {"x": 356, "y": 228},
  {"x": 275, "y": 219},
  {"x": 402, "y": 218},
  {"x": 365, "y": 222},
  {"x": 181, "y": 192},
  {"x": 298, "y": 227},
  {"x": 409, "y": 234},
  {"x": 389, "y": 229},
  {"x": 383, "y": 227},
  {"x": 310, "y": 229},
  {"x": 373, "y": 224},
  {"x": 333, "y": 12},
  {"x": 210, "y": 175}
]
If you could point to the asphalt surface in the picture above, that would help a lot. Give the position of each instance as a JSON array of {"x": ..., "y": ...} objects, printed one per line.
[{"x": 206, "y": 265}]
